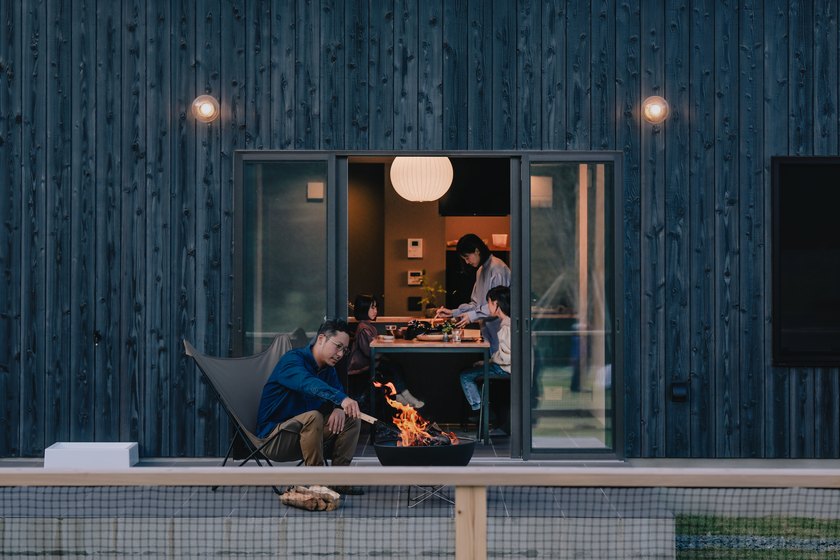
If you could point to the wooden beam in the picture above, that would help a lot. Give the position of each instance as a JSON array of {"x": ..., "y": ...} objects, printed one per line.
[{"x": 471, "y": 523}]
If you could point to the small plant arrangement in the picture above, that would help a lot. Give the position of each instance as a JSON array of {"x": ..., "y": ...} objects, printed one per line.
[
  {"x": 447, "y": 327},
  {"x": 431, "y": 291}
]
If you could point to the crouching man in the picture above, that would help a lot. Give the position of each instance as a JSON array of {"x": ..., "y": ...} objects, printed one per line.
[{"x": 305, "y": 401}]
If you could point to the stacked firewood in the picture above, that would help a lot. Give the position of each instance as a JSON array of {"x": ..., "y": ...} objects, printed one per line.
[{"x": 312, "y": 498}]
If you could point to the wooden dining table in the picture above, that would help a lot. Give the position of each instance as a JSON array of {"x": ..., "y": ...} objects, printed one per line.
[{"x": 415, "y": 346}]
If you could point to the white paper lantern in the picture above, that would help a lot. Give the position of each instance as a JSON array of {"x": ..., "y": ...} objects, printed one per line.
[{"x": 421, "y": 179}]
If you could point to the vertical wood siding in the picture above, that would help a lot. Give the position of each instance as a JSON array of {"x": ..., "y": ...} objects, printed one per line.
[
  {"x": 83, "y": 220},
  {"x": 651, "y": 249},
  {"x": 11, "y": 216},
  {"x": 116, "y": 206},
  {"x": 751, "y": 231},
  {"x": 108, "y": 344},
  {"x": 677, "y": 250},
  {"x": 626, "y": 52},
  {"x": 158, "y": 263},
  {"x": 33, "y": 263}
]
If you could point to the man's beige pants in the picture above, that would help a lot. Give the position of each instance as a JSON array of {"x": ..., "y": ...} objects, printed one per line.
[{"x": 308, "y": 441}]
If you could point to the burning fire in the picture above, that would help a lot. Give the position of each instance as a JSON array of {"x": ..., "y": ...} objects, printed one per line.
[{"x": 412, "y": 426}]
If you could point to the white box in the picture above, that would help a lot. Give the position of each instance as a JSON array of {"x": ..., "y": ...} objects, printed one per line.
[
  {"x": 415, "y": 248},
  {"x": 91, "y": 455},
  {"x": 499, "y": 239},
  {"x": 415, "y": 277}
]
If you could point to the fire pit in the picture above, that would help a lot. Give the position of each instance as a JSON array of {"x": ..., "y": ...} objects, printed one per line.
[
  {"x": 456, "y": 455},
  {"x": 412, "y": 441}
]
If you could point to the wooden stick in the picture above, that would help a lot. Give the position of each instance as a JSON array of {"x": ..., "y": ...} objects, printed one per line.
[{"x": 368, "y": 418}]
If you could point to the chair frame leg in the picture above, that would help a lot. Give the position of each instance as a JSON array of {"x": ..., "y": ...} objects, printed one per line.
[{"x": 427, "y": 492}]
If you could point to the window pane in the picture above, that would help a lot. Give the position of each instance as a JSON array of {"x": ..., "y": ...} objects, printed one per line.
[
  {"x": 571, "y": 338},
  {"x": 284, "y": 248}
]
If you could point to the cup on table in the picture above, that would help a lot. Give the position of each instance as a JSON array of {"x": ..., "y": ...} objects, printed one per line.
[
  {"x": 457, "y": 334},
  {"x": 391, "y": 329}
]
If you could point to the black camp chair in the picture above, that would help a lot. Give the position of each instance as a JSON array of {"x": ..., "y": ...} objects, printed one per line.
[{"x": 239, "y": 383}]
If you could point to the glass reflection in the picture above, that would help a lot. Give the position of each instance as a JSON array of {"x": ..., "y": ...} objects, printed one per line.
[
  {"x": 284, "y": 249},
  {"x": 571, "y": 238}
]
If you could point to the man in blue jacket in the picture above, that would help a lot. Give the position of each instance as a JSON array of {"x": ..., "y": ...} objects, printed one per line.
[{"x": 304, "y": 391}]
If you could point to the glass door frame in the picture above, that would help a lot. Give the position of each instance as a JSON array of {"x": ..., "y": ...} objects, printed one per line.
[
  {"x": 522, "y": 320},
  {"x": 336, "y": 222}
]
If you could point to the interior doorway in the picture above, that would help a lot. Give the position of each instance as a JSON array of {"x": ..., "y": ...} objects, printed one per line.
[
  {"x": 381, "y": 223},
  {"x": 394, "y": 244}
]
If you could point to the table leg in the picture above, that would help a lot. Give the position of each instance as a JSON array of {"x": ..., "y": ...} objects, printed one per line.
[{"x": 485, "y": 399}]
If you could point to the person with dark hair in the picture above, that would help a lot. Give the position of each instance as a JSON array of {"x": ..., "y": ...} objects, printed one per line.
[
  {"x": 365, "y": 311},
  {"x": 498, "y": 302},
  {"x": 492, "y": 272},
  {"x": 304, "y": 399}
]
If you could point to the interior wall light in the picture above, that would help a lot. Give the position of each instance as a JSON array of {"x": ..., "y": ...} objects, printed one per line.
[
  {"x": 655, "y": 109},
  {"x": 542, "y": 193},
  {"x": 205, "y": 108},
  {"x": 421, "y": 178}
]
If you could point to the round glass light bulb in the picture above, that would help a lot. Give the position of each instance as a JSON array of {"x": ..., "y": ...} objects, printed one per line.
[
  {"x": 205, "y": 108},
  {"x": 655, "y": 109}
]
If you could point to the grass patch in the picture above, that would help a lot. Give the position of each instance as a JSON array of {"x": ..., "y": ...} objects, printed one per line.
[
  {"x": 798, "y": 527},
  {"x": 740, "y": 554}
]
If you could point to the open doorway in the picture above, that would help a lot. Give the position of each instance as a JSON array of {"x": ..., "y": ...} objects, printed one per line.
[
  {"x": 394, "y": 243},
  {"x": 381, "y": 223}
]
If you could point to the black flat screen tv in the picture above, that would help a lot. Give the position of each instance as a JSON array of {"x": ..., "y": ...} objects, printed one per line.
[{"x": 806, "y": 260}]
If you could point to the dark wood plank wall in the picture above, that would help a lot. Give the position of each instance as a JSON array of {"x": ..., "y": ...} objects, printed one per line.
[
  {"x": 11, "y": 218},
  {"x": 676, "y": 238},
  {"x": 116, "y": 206}
]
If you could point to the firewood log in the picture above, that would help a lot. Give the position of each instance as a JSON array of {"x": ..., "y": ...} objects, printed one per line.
[{"x": 313, "y": 498}]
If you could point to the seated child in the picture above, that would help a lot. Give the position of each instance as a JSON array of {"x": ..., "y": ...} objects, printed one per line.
[
  {"x": 498, "y": 300},
  {"x": 364, "y": 309}
]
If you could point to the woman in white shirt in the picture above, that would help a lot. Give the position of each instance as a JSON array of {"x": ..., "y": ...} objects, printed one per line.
[
  {"x": 491, "y": 272},
  {"x": 498, "y": 303}
]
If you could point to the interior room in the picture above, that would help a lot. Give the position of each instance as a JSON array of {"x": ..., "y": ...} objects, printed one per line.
[{"x": 403, "y": 252}]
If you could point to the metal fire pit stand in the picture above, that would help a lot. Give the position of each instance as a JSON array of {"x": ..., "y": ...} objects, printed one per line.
[
  {"x": 427, "y": 492},
  {"x": 402, "y": 346}
]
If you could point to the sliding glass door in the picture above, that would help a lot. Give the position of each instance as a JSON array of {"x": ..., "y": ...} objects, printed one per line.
[
  {"x": 285, "y": 266},
  {"x": 569, "y": 305},
  {"x": 291, "y": 270}
]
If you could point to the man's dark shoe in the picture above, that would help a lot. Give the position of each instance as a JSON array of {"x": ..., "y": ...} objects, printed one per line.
[{"x": 349, "y": 490}]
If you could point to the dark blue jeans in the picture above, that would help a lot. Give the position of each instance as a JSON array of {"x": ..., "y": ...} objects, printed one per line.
[{"x": 469, "y": 378}]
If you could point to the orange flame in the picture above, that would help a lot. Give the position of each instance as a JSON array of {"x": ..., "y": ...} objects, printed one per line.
[{"x": 412, "y": 426}]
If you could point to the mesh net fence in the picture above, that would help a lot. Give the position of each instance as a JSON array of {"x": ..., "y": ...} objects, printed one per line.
[{"x": 419, "y": 522}]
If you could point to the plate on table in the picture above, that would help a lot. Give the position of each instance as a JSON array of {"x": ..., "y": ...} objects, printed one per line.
[{"x": 430, "y": 337}]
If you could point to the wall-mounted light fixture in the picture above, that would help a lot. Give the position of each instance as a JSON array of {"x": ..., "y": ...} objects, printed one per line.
[
  {"x": 315, "y": 191},
  {"x": 421, "y": 179},
  {"x": 205, "y": 108},
  {"x": 655, "y": 109}
]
